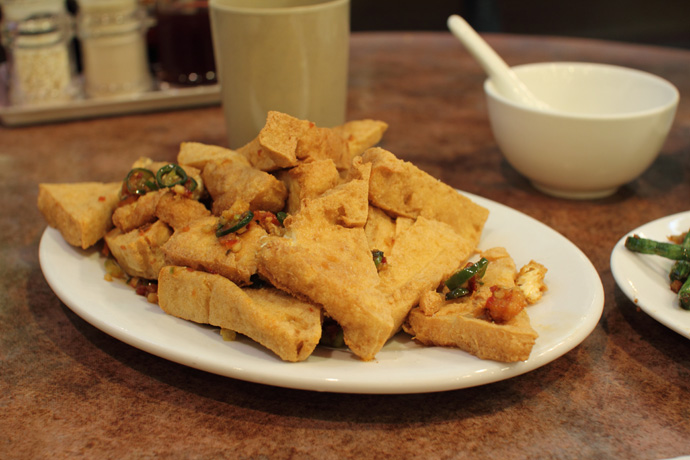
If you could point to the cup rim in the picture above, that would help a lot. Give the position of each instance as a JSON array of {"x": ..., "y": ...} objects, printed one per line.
[
  {"x": 323, "y": 4},
  {"x": 491, "y": 92}
]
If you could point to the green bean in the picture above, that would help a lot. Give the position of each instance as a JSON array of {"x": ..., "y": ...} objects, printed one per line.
[
  {"x": 668, "y": 250},
  {"x": 684, "y": 295},
  {"x": 681, "y": 268}
]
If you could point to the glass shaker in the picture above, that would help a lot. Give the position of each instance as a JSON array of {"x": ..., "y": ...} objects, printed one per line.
[
  {"x": 112, "y": 36},
  {"x": 37, "y": 38},
  {"x": 183, "y": 42}
]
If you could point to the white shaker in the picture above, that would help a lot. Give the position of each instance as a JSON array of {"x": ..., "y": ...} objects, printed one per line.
[
  {"x": 112, "y": 36},
  {"x": 37, "y": 37}
]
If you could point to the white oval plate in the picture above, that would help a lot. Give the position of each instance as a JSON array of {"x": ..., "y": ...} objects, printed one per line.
[
  {"x": 564, "y": 317},
  {"x": 644, "y": 278}
]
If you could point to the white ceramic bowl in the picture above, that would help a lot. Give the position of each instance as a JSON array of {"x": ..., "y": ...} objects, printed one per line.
[{"x": 605, "y": 126}]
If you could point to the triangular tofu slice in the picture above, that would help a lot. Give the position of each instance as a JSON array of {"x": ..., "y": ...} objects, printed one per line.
[
  {"x": 464, "y": 323},
  {"x": 82, "y": 212},
  {"x": 197, "y": 154},
  {"x": 422, "y": 256},
  {"x": 361, "y": 135},
  {"x": 400, "y": 188},
  {"x": 289, "y": 327},
  {"x": 331, "y": 265},
  {"x": 197, "y": 246}
]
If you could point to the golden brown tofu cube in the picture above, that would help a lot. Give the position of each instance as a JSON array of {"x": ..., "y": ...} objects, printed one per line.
[
  {"x": 133, "y": 215},
  {"x": 229, "y": 181},
  {"x": 286, "y": 141},
  {"x": 308, "y": 181},
  {"x": 198, "y": 247},
  {"x": 82, "y": 212},
  {"x": 347, "y": 204},
  {"x": 321, "y": 144},
  {"x": 179, "y": 211},
  {"x": 276, "y": 145},
  {"x": 138, "y": 252}
]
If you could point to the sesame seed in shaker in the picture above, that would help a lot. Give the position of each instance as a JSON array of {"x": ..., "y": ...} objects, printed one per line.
[{"x": 36, "y": 35}]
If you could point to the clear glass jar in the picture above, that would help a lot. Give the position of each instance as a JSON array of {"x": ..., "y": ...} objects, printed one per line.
[
  {"x": 183, "y": 42},
  {"x": 112, "y": 35},
  {"x": 40, "y": 59}
]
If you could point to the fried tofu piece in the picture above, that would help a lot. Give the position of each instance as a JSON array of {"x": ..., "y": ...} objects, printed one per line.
[
  {"x": 138, "y": 213},
  {"x": 424, "y": 255},
  {"x": 509, "y": 342},
  {"x": 348, "y": 204},
  {"x": 318, "y": 143},
  {"x": 276, "y": 145},
  {"x": 82, "y": 212},
  {"x": 463, "y": 323},
  {"x": 179, "y": 211},
  {"x": 400, "y": 188},
  {"x": 229, "y": 181},
  {"x": 336, "y": 274},
  {"x": 289, "y": 327},
  {"x": 361, "y": 135},
  {"x": 380, "y": 230},
  {"x": 138, "y": 252},
  {"x": 332, "y": 266},
  {"x": 286, "y": 141},
  {"x": 197, "y": 154},
  {"x": 198, "y": 247},
  {"x": 308, "y": 181},
  {"x": 530, "y": 280}
]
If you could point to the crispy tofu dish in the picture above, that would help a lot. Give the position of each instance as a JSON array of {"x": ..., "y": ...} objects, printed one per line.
[{"x": 306, "y": 237}]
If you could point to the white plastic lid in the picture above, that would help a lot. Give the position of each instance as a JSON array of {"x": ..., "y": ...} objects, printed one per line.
[
  {"x": 18, "y": 10},
  {"x": 103, "y": 6}
]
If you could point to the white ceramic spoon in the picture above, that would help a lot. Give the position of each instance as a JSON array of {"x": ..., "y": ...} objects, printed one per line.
[{"x": 505, "y": 80}]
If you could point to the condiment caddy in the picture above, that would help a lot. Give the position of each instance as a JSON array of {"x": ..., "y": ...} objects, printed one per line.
[{"x": 41, "y": 82}]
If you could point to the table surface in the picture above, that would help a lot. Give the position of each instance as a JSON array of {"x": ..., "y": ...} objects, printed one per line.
[{"x": 68, "y": 389}]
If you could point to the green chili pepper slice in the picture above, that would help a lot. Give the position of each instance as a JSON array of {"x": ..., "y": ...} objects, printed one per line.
[
  {"x": 462, "y": 276},
  {"x": 457, "y": 293},
  {"x": 281, "y": 217},
  {"x": 237, "y": 222},
  {"x": 139, "y": 181},
  {"x": 171, "y": 175},
  {"x": 190, "y": 184}
]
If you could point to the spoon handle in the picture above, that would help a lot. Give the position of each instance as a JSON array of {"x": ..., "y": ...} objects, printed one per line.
[
  {"x": 490, "y": 61},
  {"x": 501, "y": 75}
]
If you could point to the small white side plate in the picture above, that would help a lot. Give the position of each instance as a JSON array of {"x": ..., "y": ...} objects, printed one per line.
[{"x": 644, "y": 278}]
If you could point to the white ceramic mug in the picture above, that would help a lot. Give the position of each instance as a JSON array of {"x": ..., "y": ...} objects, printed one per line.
[{"x": 285, "y": 55}]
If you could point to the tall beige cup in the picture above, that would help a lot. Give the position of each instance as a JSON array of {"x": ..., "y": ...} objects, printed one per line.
[{"x": 284, "y": 55}]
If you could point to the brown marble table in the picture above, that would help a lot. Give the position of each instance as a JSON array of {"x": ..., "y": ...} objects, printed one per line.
[{"x": 69, "y": 390}]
